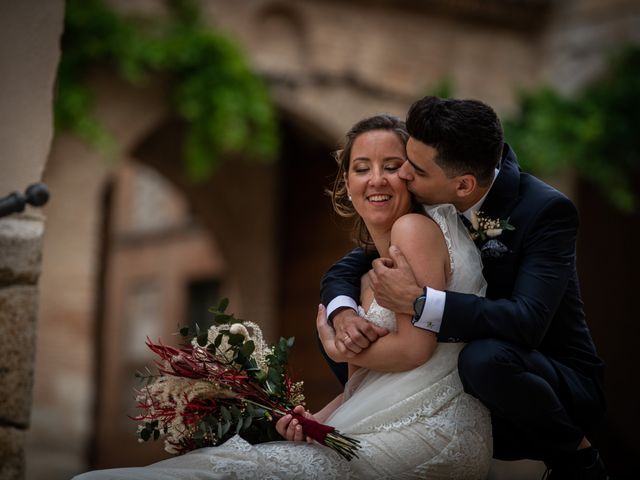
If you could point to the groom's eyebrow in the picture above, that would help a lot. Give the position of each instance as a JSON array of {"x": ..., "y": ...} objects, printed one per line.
[{"x": 418, "y": 169}]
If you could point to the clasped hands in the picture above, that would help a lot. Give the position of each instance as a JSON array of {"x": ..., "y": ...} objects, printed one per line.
[{"x": 394, "y": 287}]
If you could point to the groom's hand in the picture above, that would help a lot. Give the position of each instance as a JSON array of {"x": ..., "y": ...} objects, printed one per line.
[{"x": 393, "y": 282}]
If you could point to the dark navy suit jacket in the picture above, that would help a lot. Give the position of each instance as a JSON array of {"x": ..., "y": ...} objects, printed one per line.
[{"x": 533, "y": 296}]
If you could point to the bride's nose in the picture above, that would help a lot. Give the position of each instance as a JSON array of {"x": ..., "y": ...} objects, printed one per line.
[{"x": 378, "y": 178}]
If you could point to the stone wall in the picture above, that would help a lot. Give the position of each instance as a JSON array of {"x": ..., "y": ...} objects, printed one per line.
[
  {"x": 29, "y": 53},
  {"x": 20, "y": 247}
]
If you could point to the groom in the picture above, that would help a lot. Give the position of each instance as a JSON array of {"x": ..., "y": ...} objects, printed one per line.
[{"x": 529, "y": 358}]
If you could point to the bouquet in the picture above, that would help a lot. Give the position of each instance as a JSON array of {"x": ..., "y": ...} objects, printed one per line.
[{"x": 222, "y": 382}]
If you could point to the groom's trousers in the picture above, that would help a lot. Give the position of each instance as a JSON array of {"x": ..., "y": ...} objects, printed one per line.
[{"x": 540, "y": 408}]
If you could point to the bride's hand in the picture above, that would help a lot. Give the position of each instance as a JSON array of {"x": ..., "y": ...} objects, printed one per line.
[
  {"x": 352, "y": 334},
  {"x": 290, "y": 429}
]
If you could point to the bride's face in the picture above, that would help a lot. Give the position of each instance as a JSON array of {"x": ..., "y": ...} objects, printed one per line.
[{"x": 378, "y": 194}]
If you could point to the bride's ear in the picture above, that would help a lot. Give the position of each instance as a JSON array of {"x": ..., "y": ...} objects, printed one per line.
[{"x": 466, "y": 185}]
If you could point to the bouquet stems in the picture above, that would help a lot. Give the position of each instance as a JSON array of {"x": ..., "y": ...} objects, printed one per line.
[{"x": 321, "y": 433}]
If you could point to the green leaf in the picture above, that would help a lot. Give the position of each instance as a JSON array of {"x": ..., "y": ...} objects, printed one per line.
[
  {"x": 224, "y": 104},
  {"x": 223, "y": 318},
  {"x": 239, "y": 358},
  {"x": 224, "y": 303},
  {"x": 248, "y": 421},
  {"x": 235, "y": 412},
  {"x": 225, "y": 427},
  {"x": 248, "y": 348},
  {"x": 225, "y": 413},
  {"x": 202, "y": 339},
  {"x": 235, "y": 339}
]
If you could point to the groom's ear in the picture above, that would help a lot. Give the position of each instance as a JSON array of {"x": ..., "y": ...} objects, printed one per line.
[{"x": 465, "y": 185}]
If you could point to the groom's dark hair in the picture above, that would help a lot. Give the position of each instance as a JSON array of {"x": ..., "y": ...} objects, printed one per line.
[{"x": 467, "y": 135}]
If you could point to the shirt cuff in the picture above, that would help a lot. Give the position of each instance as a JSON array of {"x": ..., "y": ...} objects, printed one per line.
[
  {"x": 342, "y": 301},
  {"x": 431, "y": 318}
]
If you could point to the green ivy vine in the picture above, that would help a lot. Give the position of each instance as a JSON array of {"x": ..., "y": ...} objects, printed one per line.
[
  {"x": 224, "y": 104},
  {"x": 594, "y": 132}
]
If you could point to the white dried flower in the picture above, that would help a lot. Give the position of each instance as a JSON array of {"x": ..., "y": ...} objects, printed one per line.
[
  {"x": 493, "y": 232},
  {"x": 239, "y": 329}
]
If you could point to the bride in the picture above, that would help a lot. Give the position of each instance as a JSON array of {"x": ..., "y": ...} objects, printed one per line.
[{"x": 417, "y": 423}]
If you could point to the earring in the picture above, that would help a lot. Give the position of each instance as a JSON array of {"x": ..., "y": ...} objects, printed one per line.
[{"x": 349, "y": 197}]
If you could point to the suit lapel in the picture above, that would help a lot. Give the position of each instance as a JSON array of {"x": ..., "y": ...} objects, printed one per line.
[{"x": 504, "y": 191}]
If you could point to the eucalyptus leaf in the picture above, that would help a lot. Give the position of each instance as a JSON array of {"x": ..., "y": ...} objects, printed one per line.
[
  {"x": 248, "y": 348},
  {"x": 224, "y": 303},
  {"x": 202, "y": 339},
  {"x": 235, "y": 412},
  {"x": 225, "y": 413},
  {"x": 248, "y": 421},
  {"x": 225, "y": 428},
  {"x": 235, "y": 339}
]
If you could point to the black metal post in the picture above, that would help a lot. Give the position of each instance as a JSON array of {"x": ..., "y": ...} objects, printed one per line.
[{"x": 35, "y": 195}]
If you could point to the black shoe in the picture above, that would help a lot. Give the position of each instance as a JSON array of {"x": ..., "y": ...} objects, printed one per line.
[{"x": 573, "y": 471}]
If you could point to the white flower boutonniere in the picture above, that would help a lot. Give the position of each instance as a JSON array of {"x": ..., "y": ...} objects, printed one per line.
[{"x": 483, "y": 228}]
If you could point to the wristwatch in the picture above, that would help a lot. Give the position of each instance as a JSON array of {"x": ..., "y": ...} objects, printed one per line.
[{"x": 418, "y": 305}]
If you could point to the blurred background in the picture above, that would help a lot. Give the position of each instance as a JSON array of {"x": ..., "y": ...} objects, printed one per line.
[{"x": 191, "y": 151}]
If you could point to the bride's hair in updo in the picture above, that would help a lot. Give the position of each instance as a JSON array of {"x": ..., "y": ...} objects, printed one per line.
[{"x": 339, "y": 196}]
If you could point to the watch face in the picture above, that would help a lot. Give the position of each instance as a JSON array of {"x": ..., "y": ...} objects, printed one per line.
[{"x": 418, "y": 305}]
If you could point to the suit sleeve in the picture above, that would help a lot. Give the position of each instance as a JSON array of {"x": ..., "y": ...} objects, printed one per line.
[
  {"x": 343, "y": 278},
  {"x": 545, "y": 267}
]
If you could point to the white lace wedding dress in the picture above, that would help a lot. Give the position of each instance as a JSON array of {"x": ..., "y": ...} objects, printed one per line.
[{"x": 414, "y": 424}]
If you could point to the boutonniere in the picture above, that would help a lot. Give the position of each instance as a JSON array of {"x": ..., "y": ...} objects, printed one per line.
[{"x": 484, "y": 229}]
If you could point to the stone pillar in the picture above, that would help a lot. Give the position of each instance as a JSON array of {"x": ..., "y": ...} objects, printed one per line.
[{"x": 29, "y": 52}]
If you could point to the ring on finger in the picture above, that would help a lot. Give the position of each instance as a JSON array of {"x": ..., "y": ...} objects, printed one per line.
[{"x": 345, "y": 338}]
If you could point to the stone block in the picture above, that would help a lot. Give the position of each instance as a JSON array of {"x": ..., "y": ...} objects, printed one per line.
[
  {"x": 18, "y": 313},
  {"x": 12, "y": 462},
  {"x": 20, "y": 249}
]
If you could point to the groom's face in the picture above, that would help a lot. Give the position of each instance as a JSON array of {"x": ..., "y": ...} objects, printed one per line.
[{"x": 425, "y": 179}]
